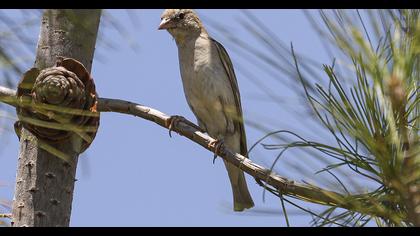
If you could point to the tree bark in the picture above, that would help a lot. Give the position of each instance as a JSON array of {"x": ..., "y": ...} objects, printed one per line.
[{"x": 45, "y": 183}]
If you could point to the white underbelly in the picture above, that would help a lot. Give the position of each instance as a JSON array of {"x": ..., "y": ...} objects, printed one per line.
[{"x": 204, "y": 99}]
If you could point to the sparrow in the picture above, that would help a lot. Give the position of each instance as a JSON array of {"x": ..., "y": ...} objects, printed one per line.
[{"x": 211, "y": 91}]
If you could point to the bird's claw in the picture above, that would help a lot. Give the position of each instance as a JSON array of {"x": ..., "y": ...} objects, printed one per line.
[
  {"x": 214, "y": 158},
  {"x": 259, "y": 182},
  {"x": 217, "y": 145},
  {"x": 172, "y": 122}
]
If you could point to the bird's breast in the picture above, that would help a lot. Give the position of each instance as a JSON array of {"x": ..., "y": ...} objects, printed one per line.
[
  {"x": 197, "y": 75},
  {"x": 202, "y": 87}
]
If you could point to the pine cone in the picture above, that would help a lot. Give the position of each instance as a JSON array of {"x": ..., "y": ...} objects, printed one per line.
[{"x": 53, "y": 100}]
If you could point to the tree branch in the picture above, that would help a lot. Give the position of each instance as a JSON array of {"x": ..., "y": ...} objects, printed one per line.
[
  {"x": 309, "y": 193},
  {"x": 8, "y": 96}
]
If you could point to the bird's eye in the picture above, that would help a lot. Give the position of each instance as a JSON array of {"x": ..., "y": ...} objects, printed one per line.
[{"x": 181, "y": 15}]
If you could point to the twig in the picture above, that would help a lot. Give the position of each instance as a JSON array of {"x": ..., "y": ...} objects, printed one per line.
[
  {"x": 8, "y": 96},
  {"x": 305, "y": 192}
]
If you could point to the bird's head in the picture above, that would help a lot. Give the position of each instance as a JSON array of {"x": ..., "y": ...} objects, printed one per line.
[{"x": 181, "y": 23}]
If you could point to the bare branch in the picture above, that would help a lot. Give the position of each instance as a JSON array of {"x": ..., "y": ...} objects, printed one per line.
[
  {"x": 305, "y": 192},
  {"x": 8, "y": 96}
]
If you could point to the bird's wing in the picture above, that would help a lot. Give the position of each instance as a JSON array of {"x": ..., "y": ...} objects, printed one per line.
[{"x": 228, "y": 66}]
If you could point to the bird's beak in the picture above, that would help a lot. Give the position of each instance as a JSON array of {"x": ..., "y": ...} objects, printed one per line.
[{"x": 166, "y": 23}]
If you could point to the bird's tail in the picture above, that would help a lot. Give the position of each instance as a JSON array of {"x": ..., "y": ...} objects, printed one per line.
[{"x": 241, "y": 197}]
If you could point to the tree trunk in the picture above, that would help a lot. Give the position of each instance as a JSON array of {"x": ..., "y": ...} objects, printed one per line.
[{"x": 45, "y": 183}]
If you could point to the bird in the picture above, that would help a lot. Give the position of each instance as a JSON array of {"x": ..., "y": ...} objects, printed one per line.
[{"x": 211, "y": 91}]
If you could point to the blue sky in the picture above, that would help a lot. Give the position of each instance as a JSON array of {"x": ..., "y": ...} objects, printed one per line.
[{"x": 134, "y": 174}]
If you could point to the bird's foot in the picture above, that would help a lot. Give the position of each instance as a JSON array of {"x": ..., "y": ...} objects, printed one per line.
[
  {"x": 218, "y": 145},
  {"x": 173, "y": 120},
  {"x": 259, "y": 182}
]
